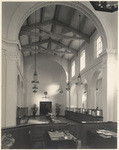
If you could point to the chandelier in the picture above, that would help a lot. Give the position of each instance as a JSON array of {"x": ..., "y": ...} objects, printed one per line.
[
  {"x": 106, "y": 6},
  {"x": 35, "y": 76},
  {"x": 68, "y": 83},
  {"x": 61, "y": 89}
]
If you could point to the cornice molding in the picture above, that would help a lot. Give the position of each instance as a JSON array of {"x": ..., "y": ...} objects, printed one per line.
[{"x": 8, "y": 42}]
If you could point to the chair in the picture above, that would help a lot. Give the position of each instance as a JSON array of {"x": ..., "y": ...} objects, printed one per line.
[{"x": 36, "y": 141}]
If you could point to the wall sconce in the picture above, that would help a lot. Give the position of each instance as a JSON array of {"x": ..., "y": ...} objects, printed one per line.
[
  {"x": 85, "y": 92},
  {"x": 78, "y": 79},
  {"x": 68, "y": 86},
  {"x": 60, "y": 90},
  {"x": 97, "y": 89}
]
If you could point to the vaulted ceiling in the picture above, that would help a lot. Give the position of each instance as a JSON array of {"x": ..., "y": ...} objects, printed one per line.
[{"x": 56, "y": 29}]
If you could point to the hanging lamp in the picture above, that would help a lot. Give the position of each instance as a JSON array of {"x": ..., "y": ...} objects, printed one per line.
[
  {"x": 61, "y": 90},
  {"x": 35, "y": 76},
  {"x": 79, "y": 80},
  {"x": 68, "y": 83}
]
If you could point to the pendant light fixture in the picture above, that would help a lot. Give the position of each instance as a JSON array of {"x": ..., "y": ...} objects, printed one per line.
[
  {"x": 35, "y": 76},
  {"x": 79, "y": 80},
  {"x": 68, "y": 83},
  {"x": 61, "y": 90}
]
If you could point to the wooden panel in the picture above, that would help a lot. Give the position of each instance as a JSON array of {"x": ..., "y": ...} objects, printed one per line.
[{"x": 78, "y": 117}]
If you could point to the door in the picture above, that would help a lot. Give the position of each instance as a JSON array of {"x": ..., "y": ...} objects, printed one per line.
[{"x": 45, "y": 107}]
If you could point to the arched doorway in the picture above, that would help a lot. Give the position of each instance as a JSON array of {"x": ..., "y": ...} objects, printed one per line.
[{"x": 94, "y": 86}]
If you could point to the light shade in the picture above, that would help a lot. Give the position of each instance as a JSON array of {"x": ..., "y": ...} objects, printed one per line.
[
  {"x": 34, "y": 87},
  {"x": 68, "y": 86},
  {"x": 34, "y": 91}
]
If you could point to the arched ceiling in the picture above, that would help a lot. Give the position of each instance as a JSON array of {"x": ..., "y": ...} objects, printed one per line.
[{"x": 55, "y": 29}]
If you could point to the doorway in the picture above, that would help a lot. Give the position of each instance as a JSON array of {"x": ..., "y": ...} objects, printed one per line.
[{"x": 45, "y": 107}]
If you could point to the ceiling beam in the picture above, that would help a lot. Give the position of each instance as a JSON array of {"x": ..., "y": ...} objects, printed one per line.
[
  {"x": 53, "y": 41},
  {"x": 42, "y": 11},
  {"x": 50, "y": 34},
  {"x": 64, "y": 46},
  {"x": 36, "y": 43},
  {"x": 28, "y": 23},
  {"x": 56, "y": 14},
  {"x": 57, "y": 9},
  {"x": 83, "y": 35},
  {"x": 71, "y": 15},
  {"x": 33, "y": 26},
  {"x": 42, "y": 15},
  {"x": 49, "y": 44},
  {"x": 27, "y": 29},
  {"x": 84, "y": 20},
  {"x": 45, "y": 50}
]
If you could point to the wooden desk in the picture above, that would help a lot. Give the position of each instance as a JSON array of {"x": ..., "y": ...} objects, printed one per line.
[
  {"x": 60, "y": 139},
  {"x": 98, "y": 140}
]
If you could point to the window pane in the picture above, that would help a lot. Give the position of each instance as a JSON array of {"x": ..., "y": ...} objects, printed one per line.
[
  {"x": 99, "y": 46},
  {"x": 73, "y": 68},
  {"x": 82, "y": 60}
]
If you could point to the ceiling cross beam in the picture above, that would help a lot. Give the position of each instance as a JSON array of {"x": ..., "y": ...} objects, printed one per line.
[
  {"x": 57, "y": 9},
  {"x": 82, "y": 25},
  {"x": 28, "y": 23},
  {"x": 71, "y": 15},
  {"x": 27, "y": 29},
  {"x": 61, "y": 45},
  {"x": 42, "y": 11},
  {"x": 46, "y": 34},
  {"x": 36, "y": 43},
  {"x": 64, "y": 46},
  {"x": 37, "y": 25},
  {"x": 83, "y": 35},
  {"x": 44, "y": 50}
]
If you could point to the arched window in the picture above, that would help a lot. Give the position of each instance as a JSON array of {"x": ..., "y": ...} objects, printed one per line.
[
  {"x": 82, "y": 60},
  {"x": 73, "y": 69},
  {"x": 98, "y": 46}
]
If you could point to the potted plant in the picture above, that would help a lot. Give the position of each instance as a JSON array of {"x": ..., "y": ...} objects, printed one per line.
[
  {"x": 7, "y": 141},
  {"x": 34, "y": 110},
  {"x": 58, "y": 109}
]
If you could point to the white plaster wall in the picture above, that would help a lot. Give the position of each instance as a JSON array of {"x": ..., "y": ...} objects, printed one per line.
[
  {"x": 49, "y": 73},
  {"x": 92, "y": 65},
  {"x": 106, "y": 98}
]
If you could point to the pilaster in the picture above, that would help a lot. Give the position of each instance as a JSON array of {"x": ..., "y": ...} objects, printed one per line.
[
  {"x": 109, "y": 67},
  {"x": 9, "y": 81}
]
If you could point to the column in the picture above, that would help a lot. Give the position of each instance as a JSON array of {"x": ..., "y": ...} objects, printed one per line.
[
  {"x": 10, "y": 79},
  {"x": 104, "y": 87},
  {"x": 109, "y": 87}
]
